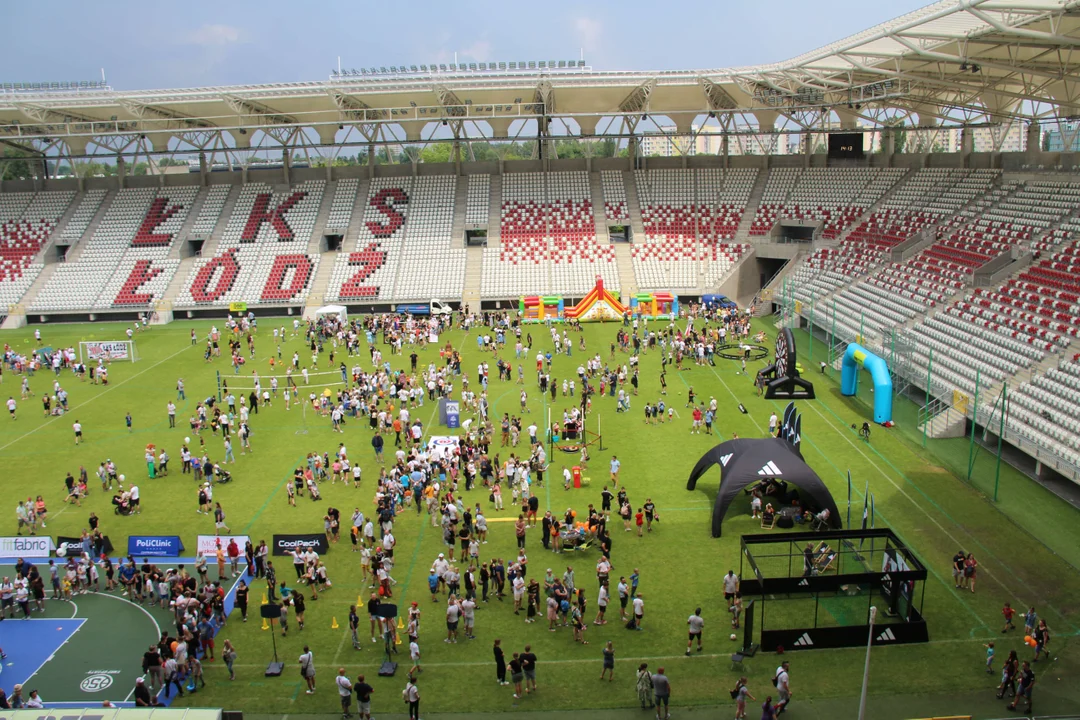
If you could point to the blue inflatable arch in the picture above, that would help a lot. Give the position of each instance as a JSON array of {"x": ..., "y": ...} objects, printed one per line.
[{"x": 857, "y": 357}]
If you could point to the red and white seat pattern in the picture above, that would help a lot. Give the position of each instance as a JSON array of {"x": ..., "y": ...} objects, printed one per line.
[
  {"x": 548, "y": 239},
  {"x": 262, "y": 257},
  {"x": 126, "y": 262},
  {"x": 690, "y": 219},
  {"x": 615, "y": 207},
  {"x": 27, "y": 220},
  {"x": 478, "y": 200},
  {"x": 837, "y": 196},
  {"x": 366, "y": 267}
]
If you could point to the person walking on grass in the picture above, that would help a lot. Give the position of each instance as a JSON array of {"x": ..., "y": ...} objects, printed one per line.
[
  {"x": 219, "y": 520},
  {"x": 1027, "y": 682},
  {"x": 411, "y": 694},
  {"x": 1007, "y": 612},
  {"x": 958, "y": 569},
  {"x": 528, "y": 666},
  {"x": 228, "y": 654},
  {"x": 363, "y": 698},
  {"x": 500, "y": 662},
  {"x": 307, "y": 669},
  {"x": 1041, "y": 635},
  {"x": 989, "y": 657},
  {"x": 345, "y": 690},
  {"x": 516, "y": 675},
  {"x": 644, "y": 687},
  {"x": 609, "y": 662},
  {"x": 783, "y": 687},
  {"x": 662, "y": 691},
  {"x": 696, "y": 625},
  {"x": 741, "y": 694}
]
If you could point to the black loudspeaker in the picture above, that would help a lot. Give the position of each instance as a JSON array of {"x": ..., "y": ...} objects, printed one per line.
[{"x": 272, "y": 612}]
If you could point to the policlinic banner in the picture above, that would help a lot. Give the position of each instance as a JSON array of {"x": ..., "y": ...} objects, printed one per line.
[
  {"x": 155, "y": 545},
  {"x": 32, "y": 546},
  {"x": 285, "y": 544},
  {"x": 208, "y": 544}
]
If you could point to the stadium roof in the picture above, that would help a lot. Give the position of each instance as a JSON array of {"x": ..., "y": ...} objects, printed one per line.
[{"x": 952, "y": 62}]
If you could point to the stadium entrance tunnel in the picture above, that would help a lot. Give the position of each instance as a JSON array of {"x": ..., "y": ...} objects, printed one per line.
[{"x": 855, "y": 357}]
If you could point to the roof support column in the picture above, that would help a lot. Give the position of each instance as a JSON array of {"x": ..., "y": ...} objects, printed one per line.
[
  {"x": 286, "y": 161},
  {"x": 121, "y": 171},
  {"x": 725, "y": 145},
  {"x": 967, "y": 144},
  {"x": 1034, "y": 138},
  {"x": 202, "y": 169}
]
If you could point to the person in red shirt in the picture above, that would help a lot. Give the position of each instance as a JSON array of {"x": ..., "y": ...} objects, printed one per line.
[
  {"x": 1008, "y": 612},
  {"x": 697, "y": 421},
  {"x": 639, "y": 519},
  {"x": 233, "y": 551}
]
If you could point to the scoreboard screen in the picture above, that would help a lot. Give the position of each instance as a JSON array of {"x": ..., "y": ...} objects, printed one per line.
[{"x": 845, "y": 145}]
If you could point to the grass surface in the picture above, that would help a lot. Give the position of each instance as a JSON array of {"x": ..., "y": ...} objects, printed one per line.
[{"x": 1027, "y": 544}]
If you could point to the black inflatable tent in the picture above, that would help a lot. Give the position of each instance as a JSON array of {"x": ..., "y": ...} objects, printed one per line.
[{"x": 744, "y": 462}]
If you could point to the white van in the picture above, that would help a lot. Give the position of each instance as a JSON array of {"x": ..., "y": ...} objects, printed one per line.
[{"x": 438, "y": 307}]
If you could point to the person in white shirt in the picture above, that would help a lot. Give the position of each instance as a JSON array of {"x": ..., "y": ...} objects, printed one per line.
[
  {"x": 731, "y": 585},
  {"x": 783, "y": 687},
  {"x": 77, "y": 427},
  {"x": 11, "y": 407},
  {"x": 345, "y": 686},
  {"x": 133, "y": 496},
  {"x": 414, "y": 655},
  {"x": 639, "y": 610},
  {"x": 307, "y": 669},
  {"x": 696, "y": 624}
]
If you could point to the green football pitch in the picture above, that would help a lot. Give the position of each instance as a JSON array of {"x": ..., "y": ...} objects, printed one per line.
[{"x": 1027, "y": 543}]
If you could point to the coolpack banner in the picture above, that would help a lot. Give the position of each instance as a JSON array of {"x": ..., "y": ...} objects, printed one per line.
[
  {"x": 32, "y": 546},
  {"x": 285, "y": 544},
  {"x": 116, "y": 350},
  {"x": 208, "y": 544},
  {"x": 73, "y": 546},
  {"x": 155, "y": 545}
]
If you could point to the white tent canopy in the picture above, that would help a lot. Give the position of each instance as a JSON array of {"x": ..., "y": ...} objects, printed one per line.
[{"x": 339, "y": 310}]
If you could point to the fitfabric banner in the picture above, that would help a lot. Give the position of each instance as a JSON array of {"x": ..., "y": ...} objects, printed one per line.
[
  {"x": 285, "y": 544},
  {"x": 32, "y": 546},
  {"x": 155, "y": 545}
]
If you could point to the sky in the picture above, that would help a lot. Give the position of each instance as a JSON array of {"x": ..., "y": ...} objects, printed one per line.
[{"x": 145, "y": 45}]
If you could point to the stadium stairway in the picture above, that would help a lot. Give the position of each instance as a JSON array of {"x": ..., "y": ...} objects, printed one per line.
[
  {"x": 461, "y": 203},
  {"x": 742, "y": 234},
  {"x": 474, "y": 271},
  {"x": 494, "y": 236},
  {"x": 176, "y": 252},
  {"x": 633, "y": 206},
  {"x": 356, "y": 220},
  {"x": 625, "y": 264},
  {"x": 596, "y": 190},
  {"x": 322, "y": 219}
]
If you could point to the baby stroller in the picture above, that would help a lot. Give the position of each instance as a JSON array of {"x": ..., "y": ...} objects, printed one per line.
[
  {"x": 121, "y": 506},
  {"x": 576, "y": 539},
  {"x": 223, "y": 476}
]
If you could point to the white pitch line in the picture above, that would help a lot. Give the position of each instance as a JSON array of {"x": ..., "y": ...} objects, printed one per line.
[{"x": 96, "y": 397}]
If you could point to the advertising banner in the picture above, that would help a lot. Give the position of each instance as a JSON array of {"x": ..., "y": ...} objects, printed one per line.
[
  {"x": 155, "y": 545},
  {"x": 32, "y": 546},
  {"x": 208, "y": 544},
  {"x": 285, "y": 544},
  {"x": 115, "y": 350}
]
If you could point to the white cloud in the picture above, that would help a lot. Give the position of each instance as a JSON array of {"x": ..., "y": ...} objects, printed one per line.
[
  {"x": 588, "y": 32},
  {"x": 480, "y": 51},
  {"x": 213, "y": 36}
]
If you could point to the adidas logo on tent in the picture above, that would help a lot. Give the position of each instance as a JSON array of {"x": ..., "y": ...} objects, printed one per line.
[
  {"x": 769, "y": 468},
  {"x": 804, "y": 581},
  {"x": 804, "y": 641},
  {"x": 726, "y": 458},
  {"x": 886, "y": 636}
]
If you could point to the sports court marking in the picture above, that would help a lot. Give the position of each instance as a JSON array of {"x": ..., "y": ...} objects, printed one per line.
[
  {"x": 32, "y": 643},
  {"x": 101, "y": 394}
]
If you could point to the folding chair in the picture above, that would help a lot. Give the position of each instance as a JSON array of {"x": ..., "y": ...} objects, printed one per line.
[{"x": 770, "y": 524}]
